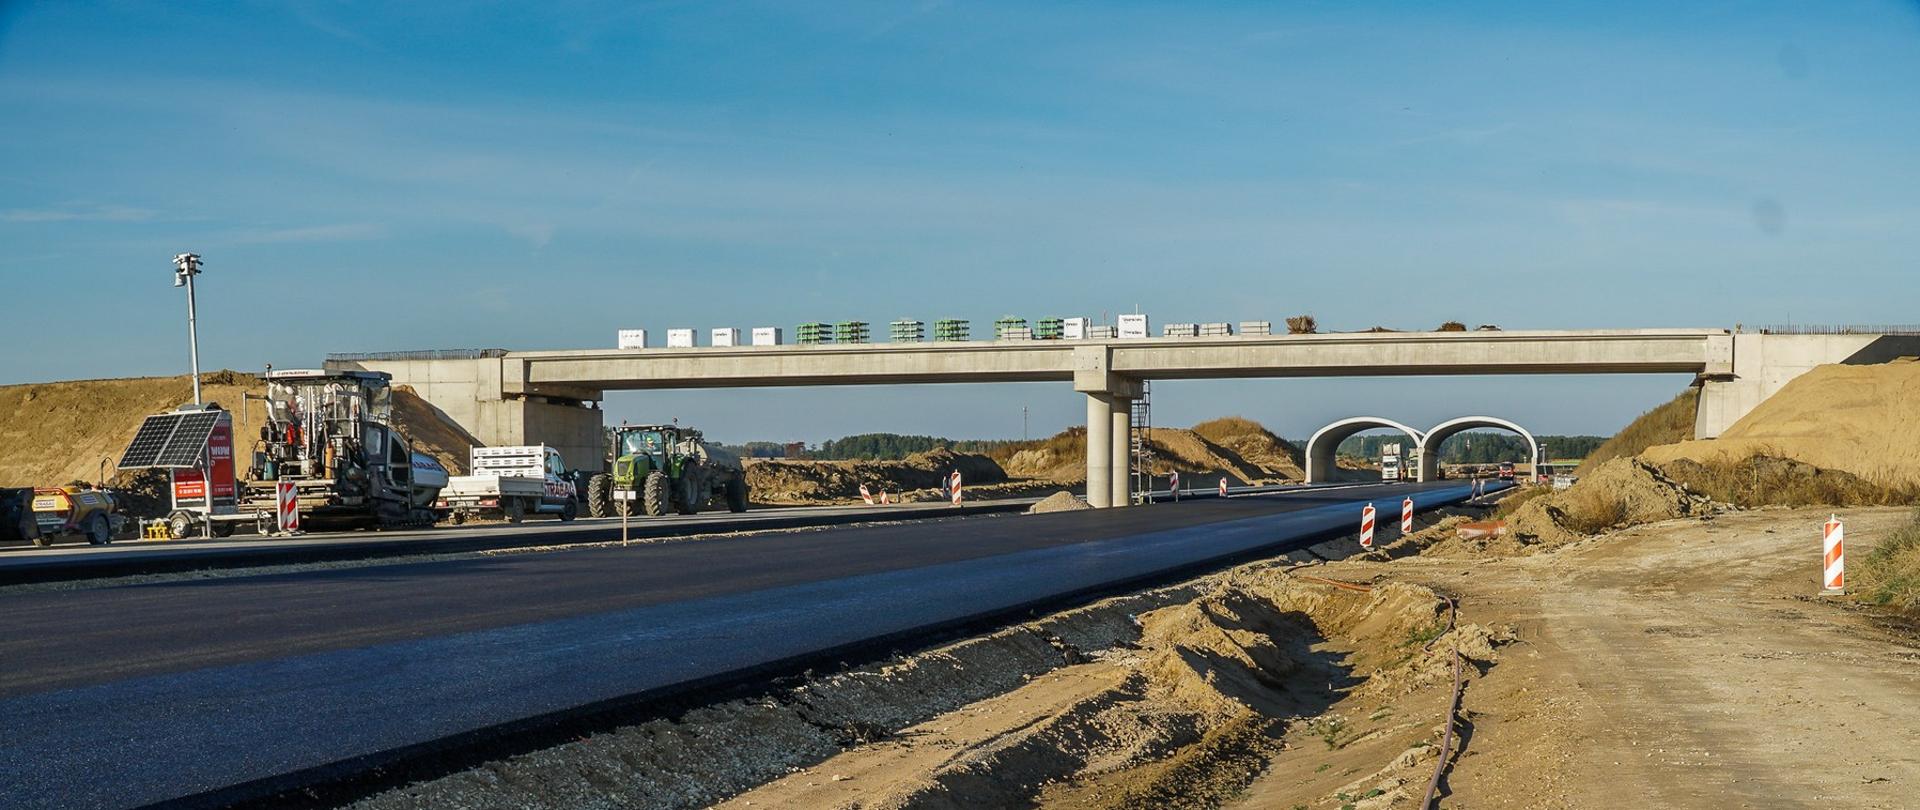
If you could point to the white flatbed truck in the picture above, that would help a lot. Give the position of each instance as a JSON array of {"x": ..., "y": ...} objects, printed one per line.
[{"x": 511, "y": 483}]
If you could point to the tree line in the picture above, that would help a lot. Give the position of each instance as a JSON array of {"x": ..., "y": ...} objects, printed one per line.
[{"x": 1476, "y": 447}]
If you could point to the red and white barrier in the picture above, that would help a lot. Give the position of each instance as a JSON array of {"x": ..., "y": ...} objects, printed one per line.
[
  {"x": 866, "y": 494},
  {"x": 1834, "y": 575},
  {"x": 1173, "y": 481},
  {"x": 883, "y": 497},
  {"x": 1406, "y": 516},
  {"x": 1223, "y": 487},
  {"x": 1366, "y": 527},
  {"x": 953, "y": 486},
  {"x": 287, "y": 497}
]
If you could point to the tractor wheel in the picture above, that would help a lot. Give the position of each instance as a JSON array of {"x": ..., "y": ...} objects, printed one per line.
[
  {"x": 693, "y": 494},
  {"x": 737, "y": 494},
  {"x": 600, "y": 495},
  {"x": 657, "y": 499},
  {"x": 570, "y": 511},
  {"x": 99, "y": 530}
]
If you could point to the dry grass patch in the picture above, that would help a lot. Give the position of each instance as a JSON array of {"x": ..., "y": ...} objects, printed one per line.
[
  {"x": 1667, "y": 424},
  {"x": 1890, "y": 574},
  {"x": 1766, "y": 480}
]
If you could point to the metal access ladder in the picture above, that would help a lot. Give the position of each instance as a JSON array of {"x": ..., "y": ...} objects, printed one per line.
[{"x": 1140, "y": 452}]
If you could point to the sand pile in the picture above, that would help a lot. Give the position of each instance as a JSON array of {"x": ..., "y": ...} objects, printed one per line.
[
  {"x": 779, "y": 481},
  {"x": 1861, "y": 419},
  {"x": 1062, "y": 501},
  {"x": 1240, "y": 449},
  {"x": 53, "y": 433},
  {"x": 1255, "y": 445}
]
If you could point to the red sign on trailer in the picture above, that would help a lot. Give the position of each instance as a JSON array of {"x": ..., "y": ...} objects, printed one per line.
[{"x": 189, "y": 483}]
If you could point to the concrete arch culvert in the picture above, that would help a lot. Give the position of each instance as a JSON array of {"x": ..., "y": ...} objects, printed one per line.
[
  {"x": 1438, "y": 435},
  {"x": 1325, "y": 441}
]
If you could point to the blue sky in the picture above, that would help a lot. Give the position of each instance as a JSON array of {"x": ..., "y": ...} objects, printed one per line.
[{"x": 372, "y": 176}]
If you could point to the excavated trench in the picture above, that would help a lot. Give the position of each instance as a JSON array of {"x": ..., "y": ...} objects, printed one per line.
[{"x": 1194, "y": 695}]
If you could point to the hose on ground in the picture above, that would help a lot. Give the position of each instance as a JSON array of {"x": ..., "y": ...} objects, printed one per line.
[{"x": 1459, "y": 684}]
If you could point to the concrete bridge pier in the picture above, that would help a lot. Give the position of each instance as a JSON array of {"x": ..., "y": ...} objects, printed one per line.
[
  {"x": 1109, "y": 425},
  {"x": 1099, "y": 451},
  {"x": 1109, "y": 445}
]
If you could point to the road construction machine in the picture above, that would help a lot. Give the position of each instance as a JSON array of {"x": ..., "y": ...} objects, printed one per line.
[
  {"x": 666, "y": 468},
  {"x": 330, "y": 434}
]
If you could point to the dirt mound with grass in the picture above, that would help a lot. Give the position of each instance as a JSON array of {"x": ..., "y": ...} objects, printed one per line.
[
  {"x": 53, "y": 433},
  {"x": 1889, "y": 575},
  {"x": 1757, "y": 481},
  {"x": 1255, "y": 446},
  {"x": 781, "y": 481},
  {"x": 1062, "y": 501},
  {"x": 1619, "y": 493},
  {"x": 1669, "y": 423},
  {"x": 1238, "y": 448},
  {"x": 1864, "y": 420}
]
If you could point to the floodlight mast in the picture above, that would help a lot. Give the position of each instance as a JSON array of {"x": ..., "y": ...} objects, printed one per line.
[{"x": 186, "y": 266}]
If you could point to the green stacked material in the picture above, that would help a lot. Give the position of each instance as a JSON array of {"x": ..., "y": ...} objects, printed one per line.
[
  {"x": 948, "y": 330},
  {"x": 1004, "y": 328},
  {"x": 850, "y": 332},
  {"x": 907, "y": 331},
  {"x": 813, "y": 332},
  {"x": 1048, "y": 329}
]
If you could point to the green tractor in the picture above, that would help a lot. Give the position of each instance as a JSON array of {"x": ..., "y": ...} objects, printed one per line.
[{"x": 666, "y": 468}]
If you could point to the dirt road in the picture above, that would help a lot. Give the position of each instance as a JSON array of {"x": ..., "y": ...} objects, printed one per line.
[{"x": 1687, "y": 664}]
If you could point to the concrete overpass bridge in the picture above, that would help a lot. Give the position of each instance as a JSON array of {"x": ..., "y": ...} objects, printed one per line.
[
  {"x": 512, "y": 397},
  {"x": 1320, "y": 450}
]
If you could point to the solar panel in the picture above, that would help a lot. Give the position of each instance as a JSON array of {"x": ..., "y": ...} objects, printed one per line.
[
  {"x": 189, "y": 441},
  {"x": 170, "y": 440},
  {"x": 149, "y": 441}
]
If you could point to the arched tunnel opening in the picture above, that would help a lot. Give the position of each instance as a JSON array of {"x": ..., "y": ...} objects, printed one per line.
[{"x": 1433, "y": 448}]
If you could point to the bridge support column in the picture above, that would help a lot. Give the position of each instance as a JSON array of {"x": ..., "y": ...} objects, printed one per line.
[
  {"x": 1120, "y": 444},
  {"x": 1099, "y": 451}
]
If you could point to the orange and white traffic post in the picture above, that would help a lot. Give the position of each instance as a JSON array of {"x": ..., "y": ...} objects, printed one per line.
[
  {"x": 1366, "y": 527},
  {"x": 953, "y": 486},
  {"x": 1223, "y": 487},
  {"x": 866, "y": 494},
  {"x": 1833, "y": 577},
  {"x": 1406, "y": 516}
]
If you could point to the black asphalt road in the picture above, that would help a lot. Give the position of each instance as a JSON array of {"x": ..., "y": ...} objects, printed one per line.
[
  {"x": 21, "y": 563},
  {"x": 129, "y": 695}
]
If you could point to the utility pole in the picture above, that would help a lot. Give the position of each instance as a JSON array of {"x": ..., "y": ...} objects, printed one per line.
[
  {"x": 186, "y": 266},
  {"x": 1023, "y": 423}
]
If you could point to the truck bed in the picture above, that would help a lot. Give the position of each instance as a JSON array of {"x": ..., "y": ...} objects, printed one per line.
[{"x": 471, "y": 486}]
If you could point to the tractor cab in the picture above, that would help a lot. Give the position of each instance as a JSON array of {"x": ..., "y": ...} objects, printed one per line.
[{"x": 641, "y": 449}]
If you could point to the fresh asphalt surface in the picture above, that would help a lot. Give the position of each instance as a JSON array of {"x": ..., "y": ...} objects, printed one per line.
[
  {"x": 22, "y": 563},
  {"x": 124, "y": 696}
]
